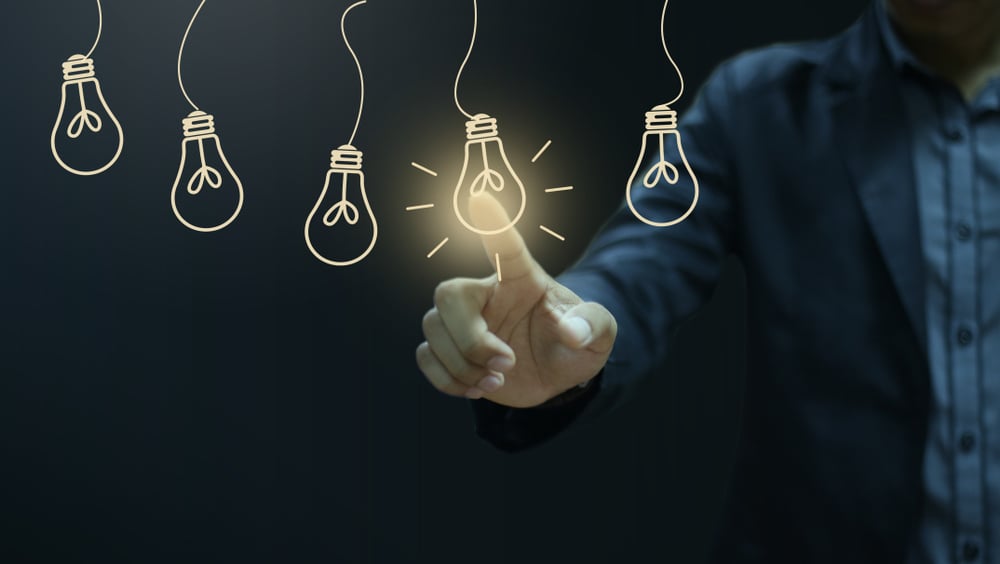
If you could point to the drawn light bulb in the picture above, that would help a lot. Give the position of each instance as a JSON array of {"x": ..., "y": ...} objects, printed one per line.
[
  {"x": 662, "y": 165},
  {"x": 84, "y": 115},
  {"x": 207, "y": 195},
  {"x": 487, "y": 169},
  {"x": 668, "y": 165},
  {"x": 206, "y": 189},
  {"x": 343, "y": 213},
  {"x": 336, "y": 226}
]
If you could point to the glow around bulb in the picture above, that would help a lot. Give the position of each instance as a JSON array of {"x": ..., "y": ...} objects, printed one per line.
[
  {"x": 487, "y": 167},
  {"x": 206, "y": 188},
  {"x": 665, "y": 169},
  {"x": 80, "y": 83},
  {"x": 341, "y": 220}
]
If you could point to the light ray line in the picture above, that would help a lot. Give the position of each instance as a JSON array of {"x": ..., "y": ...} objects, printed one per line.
[
  {"x": 438, "y": 248},
  {"x": 551, "y": 232},
  {"x": 499, "y": 273},
  {"x": 542, "y": 150},
  {"x": 424, "y": 169},
  {"x": 420, "y": 207},
  {"x": 562, "y": 189}
]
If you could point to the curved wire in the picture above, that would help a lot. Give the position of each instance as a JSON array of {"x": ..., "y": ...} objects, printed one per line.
[
  {"x": 458, "y": 78},
  {"x": 180, "y": 55},
  {"x": 663, "y": 37},
  {"x": 361, "y": 74},
  {"x": 100, "y": 28}
]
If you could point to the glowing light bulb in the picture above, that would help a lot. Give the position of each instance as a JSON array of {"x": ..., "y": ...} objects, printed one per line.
[
  {"x": 206, "y": 189},
  {"x": 93, "y": 120},
  {"x": 488, "y": 170},
  {"x": 341, "y": 224},
  {"x": 667, "y": 167}
]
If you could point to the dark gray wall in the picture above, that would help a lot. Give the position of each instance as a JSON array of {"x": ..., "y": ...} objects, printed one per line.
[{"x": 167, "y": 396}]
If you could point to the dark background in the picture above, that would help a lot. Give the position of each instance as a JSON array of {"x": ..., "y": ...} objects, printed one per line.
[{"x": 169, "y": 396}]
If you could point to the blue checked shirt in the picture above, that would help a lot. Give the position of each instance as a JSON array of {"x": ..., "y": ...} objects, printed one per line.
[{"x": 956, "y": 155}]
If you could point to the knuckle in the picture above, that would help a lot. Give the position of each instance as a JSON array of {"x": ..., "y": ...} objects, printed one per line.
[
  {"x": 452, "y": 291},
  {"x": 423, "y": 356},
  {"x": 475, "y": 348},
  {"x": 445, "y": 292},
  {"x": 429, "y": 321},
  {"x": 470, "y": 375}
]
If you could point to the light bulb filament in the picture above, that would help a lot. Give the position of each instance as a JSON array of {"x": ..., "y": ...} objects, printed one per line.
[
  {"x": 488, "y": 178},
  {"x": 84, "y": 117},
  {"x": 203, "y": 174},
  {"x": 663, "y": 170},
  {"x": 343, "y": 209}
]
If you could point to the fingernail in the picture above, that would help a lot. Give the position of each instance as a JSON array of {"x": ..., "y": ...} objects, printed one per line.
[
  {"x": 500, "y": 364},
  {"x": 579, "y": 329},
  {"x": 474, "y": 394},
  {"x": 490, "y": 383}
]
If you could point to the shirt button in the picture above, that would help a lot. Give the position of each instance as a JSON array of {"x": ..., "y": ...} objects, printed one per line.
[
  {"x": 970, "y": 551},
  {"x": 965, "y": 336},
  {"x": 967, "y": 442},
  {"x": 953, "y": 133},
  {"x": 963, "y": 231}
]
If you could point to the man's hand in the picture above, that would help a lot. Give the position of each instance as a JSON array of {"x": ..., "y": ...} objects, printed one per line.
[{"x": 517, "y": 338}]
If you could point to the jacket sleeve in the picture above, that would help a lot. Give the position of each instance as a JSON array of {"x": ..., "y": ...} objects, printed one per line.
[{"x": 649, "y": 278}]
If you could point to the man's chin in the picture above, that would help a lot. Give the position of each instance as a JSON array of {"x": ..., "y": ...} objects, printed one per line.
[{"x": 939, "y": 17}]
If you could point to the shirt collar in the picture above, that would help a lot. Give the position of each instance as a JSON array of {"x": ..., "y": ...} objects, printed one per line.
[
  {"x": 900, "y": 56},
  {"x": 904, "y": 60}
]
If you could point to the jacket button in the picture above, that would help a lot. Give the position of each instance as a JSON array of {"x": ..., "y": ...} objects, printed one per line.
[
  {"x": 965, "y": 336},
  {"x": 963, "y": 231}
]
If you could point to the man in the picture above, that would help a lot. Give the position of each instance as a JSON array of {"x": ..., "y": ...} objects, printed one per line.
[{"x": 858, "y": 179}]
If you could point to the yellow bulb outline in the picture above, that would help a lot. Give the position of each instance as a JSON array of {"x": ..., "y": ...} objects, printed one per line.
[
  {"x": 180, "y": 172},
  {"x": 639, "y": 167},
  {"x": 319, "y": 204},
  {"x": 62, "y": 114},
  {"x": 461, "y": 182}
]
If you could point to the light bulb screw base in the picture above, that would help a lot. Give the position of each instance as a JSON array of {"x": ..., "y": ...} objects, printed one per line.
[
  {"x": 78, "y": 67},
  {"x": 661, "y": 118},
  {"x": 481, "y": 126},
  {"x": 198, "y": 124},
  {"x": 346, "y": 157}
]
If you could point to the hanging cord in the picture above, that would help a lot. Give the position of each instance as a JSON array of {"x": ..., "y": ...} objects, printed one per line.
[
  {"x": 458, "y": 78},
  {"x": 100, "y": 28},
  {"x": 180, "y": 55},
  {"x": 361, "y": 74},
  {"x": 663, "y": 37}
]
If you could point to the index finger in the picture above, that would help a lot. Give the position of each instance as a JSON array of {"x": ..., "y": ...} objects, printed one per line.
[{"x": 506, "y": 250}]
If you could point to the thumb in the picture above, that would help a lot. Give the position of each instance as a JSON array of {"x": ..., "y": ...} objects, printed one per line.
[
  {"x": 505, "y": 249},
  {"x": 588, "y": 326}
]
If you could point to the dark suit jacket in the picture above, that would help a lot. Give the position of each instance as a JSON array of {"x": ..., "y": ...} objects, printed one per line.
[{"x": 804, "y": 161}]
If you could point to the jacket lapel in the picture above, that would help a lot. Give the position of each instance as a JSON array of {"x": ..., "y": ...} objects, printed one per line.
[{"x": 872, "y": 135}]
